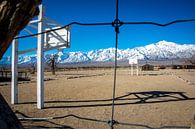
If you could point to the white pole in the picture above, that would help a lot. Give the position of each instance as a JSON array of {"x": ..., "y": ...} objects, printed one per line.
[
  {"x": 14, "y": 86},
  {"x": 137, "y": 70},
  {"x": 131, "y": 69},
  {"x": 40, "y": 57}
]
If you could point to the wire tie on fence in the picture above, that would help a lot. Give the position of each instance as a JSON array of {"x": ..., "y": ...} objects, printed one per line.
[
  {"x": 112, "y": 122},
  {"x": 117, "y": 23}
]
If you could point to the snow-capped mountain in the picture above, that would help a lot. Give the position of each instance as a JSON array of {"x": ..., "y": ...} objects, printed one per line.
[{"x": 157, "y": 51}]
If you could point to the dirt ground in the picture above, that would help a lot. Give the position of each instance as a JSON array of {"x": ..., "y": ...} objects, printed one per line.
[{"x": 81, "y": 99}]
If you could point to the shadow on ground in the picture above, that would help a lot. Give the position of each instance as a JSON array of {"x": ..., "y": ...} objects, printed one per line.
[
  {"x": 39, "y": 123},
  {"x": 148, "y": 97},
  {"x": 33, "y": 123}
]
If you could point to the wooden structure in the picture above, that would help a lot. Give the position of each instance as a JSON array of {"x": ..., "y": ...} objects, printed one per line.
[
  {"x": 8, "y": 119},
  {"x": 162, "y": 67},
  {"x": 188, "y": 66},
  {"x": 193, "y": 124},
  {"x": 176, "y": 66},
  {"x": 147, "y": 67},
  {"x": 14, "y": 16},
  {"x": 5, "y": 75}
]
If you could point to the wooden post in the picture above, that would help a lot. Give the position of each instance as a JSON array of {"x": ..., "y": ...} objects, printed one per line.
[
  {"x": 8, "y": 120},
  {"x": 40, "y": 57},
  {"x": 14, "y": 84},
  {"x": 193, "y": 125}
]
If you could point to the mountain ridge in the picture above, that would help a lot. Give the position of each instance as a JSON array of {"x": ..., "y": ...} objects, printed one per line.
[{"x": 156, "y": 51}]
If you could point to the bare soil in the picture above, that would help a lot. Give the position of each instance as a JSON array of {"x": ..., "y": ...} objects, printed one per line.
[{"x": 81, "y": 99}]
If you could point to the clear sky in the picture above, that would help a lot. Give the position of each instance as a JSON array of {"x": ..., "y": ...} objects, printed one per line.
[{"x": 87, "y": 38}]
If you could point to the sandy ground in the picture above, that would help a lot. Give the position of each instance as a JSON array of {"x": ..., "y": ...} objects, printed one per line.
[{"x": 151, "y": 100}]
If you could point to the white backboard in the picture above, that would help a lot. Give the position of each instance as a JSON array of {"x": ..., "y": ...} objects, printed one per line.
[
  {"x": 58, "y": 39},
  {"x": 133, "y": 61}
]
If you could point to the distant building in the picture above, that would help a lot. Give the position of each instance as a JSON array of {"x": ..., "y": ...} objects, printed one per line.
[
  {"x": 5, "y": 75},
  {"x": 189, "y": 63},
  {"x": 176, "y": 66},
  {"x": 147, "y": 67},
  {"x": 188, "y": 66},
  {"x": 162, "y": 67}
]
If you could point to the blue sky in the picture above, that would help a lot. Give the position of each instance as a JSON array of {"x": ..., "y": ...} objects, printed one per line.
[{"x": 85, "y": 38}]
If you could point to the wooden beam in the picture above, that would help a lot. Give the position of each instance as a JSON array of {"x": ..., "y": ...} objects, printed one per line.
[{"x": 8, "y": 119}]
